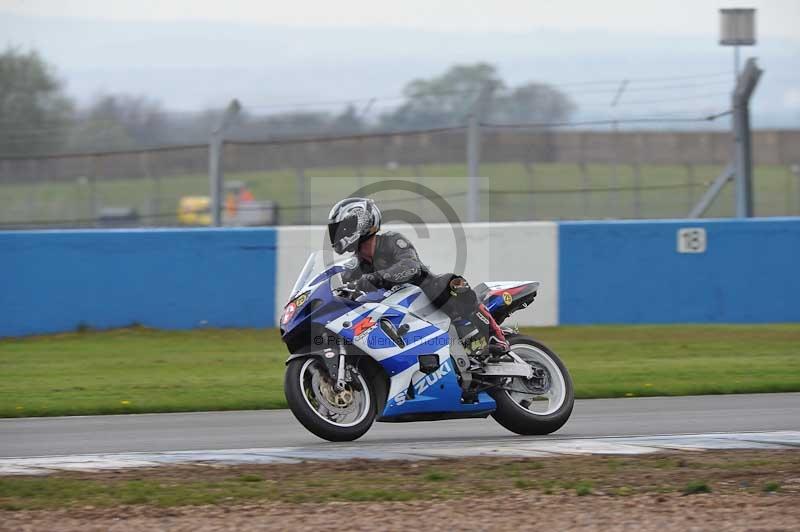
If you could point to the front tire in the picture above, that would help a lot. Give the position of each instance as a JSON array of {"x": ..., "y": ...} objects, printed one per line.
[
  {"x": 334, "y": 416},
  {"x": 540, "y": 406}
]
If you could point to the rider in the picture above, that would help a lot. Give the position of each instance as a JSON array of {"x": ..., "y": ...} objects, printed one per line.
[{"x": 389, "y": 259}]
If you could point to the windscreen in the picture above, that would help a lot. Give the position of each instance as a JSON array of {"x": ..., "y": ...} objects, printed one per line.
[
  {"x": 314, "y": 266},
  {"x": 306, "y": 273}
]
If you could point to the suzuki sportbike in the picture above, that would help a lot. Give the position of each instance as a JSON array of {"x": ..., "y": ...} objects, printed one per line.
[{"x": 388, "y": 355}]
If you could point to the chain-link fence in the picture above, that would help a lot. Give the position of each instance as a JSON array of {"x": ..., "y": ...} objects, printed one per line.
[
  {"x": 101, "y": 189},
  {"x": 529, "y": 173}
]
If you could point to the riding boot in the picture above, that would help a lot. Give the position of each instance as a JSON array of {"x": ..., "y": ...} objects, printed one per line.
[{"x": 489, "y": 330}]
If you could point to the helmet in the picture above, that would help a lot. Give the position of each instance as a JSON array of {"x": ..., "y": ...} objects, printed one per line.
[{"x": 351, "y": 221}]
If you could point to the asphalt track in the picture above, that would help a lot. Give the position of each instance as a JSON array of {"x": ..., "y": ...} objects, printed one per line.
[{"x": 278, "y": 428}]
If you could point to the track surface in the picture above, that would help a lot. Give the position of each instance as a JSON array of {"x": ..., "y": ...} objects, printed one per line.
[{"x": 278, "y": 428}]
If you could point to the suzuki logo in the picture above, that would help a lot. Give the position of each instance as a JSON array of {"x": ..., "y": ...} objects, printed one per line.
[
  {"x": 425, "y": 382},
  {"x": 429, "y": 380},
  {"x": 363, "y": 326}
]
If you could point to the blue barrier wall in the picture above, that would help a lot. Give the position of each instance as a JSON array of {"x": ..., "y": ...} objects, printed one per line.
[
  {"x": 173, "y": 279},
  {"x": 608, "y": 272},
  {"x": 631, "y": 272}
]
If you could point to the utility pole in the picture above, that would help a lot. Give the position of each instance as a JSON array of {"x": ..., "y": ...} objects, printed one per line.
[
  {"x": 479, "y": 111},
  {"x": 215, "y": 160}
]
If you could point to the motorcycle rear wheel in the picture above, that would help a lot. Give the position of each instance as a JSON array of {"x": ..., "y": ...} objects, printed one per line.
[{"x": 535, "y": 406}]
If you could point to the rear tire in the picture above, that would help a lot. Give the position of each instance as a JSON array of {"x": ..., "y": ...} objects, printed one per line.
[
  {"x": 300, "y": 379},
  {"x": 516, "y": 417}
]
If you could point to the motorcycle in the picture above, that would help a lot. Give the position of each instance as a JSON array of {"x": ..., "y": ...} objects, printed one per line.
[{"x": 388, "y": 355}]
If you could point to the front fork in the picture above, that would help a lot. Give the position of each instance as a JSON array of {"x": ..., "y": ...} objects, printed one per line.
[
  {"x": 341, "y": 373},
  {"x": 336, "y": 364}
]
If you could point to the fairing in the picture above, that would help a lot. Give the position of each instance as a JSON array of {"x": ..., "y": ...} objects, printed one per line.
[{"x": 366, "y": 323}]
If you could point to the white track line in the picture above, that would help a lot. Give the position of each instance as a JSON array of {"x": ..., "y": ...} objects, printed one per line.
[{"x": 616, "y": 445}]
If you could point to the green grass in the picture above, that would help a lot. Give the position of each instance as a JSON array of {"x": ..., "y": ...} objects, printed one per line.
[
  {"x": 143, "y": 370},
  {"x": 436, "y": 476},
  {"x": 139, "y": 370},
  {"x": 557, "y": 187},
  {"x": 696, "y": 486}
]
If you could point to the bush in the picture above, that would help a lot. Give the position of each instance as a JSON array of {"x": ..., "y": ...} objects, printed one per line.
[{"x": 696, "y": 486}]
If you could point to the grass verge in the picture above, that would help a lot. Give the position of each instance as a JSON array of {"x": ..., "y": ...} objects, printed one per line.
[
  {"x": 405, "y": 481},
  {"x": 142, "y": 370}
]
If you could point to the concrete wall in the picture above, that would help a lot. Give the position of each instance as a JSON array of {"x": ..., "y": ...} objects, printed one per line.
[
  {"x": 55, "y": 281},
  {"x": 632, "y": 272},
  {"x": 592, "y": 272},
  {"x": 493, "y": 252}
]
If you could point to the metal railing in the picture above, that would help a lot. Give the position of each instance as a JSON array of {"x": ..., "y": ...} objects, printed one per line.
[{"x": 530, "y": 172}]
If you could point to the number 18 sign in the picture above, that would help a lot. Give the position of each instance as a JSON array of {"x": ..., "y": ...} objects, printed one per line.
[{"x": 692, "y": 240}]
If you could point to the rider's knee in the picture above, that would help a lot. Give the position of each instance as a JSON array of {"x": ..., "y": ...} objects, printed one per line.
[{"x": 462, "y": 294}]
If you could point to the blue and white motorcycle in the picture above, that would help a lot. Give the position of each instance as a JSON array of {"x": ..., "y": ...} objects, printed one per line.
[{"x": 389, "y": 356}]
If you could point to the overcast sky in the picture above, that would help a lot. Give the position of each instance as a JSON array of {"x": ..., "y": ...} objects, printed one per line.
[
  {"x": 777, "y": 18},
  {"x": 192, "y": 54}
]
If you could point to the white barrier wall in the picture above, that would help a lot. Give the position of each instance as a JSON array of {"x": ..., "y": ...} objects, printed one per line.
[{"x": 526, "y": 251}]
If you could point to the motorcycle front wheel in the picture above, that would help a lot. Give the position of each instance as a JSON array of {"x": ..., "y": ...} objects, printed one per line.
[
  {"x": 539, "y": 405},
  {"x": 331, "y": 414}
]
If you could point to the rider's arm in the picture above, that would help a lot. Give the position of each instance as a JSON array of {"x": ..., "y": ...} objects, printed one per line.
[
  {"x": 353, "y": 269},
  {"x": 406, "y": 267}
]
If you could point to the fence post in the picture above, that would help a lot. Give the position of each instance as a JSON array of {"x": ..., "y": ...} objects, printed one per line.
[
  {"x": 479, "y": 110},
  {"x": 154, "y": 205},
  {"x": 741, "y": 165},
  {"x": 359, "y": 162},
  {"x": 741, "y": 132},
  {"x": 585, "y": 179},
  {"x": 796, "y": 171},
  {"x": 615, "y": 193},
  {"x": 32, "y": 177},
  {"x": 303, "y": 215},
  {"x": 689, "y": 184},
  {"x": 637, "y": 190},
  {"x": 95, "y": 171},
  {"x": 215, "y": 161}
]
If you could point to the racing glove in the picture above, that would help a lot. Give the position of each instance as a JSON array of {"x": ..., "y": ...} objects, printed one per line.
[{"x": 368, "y": 282}]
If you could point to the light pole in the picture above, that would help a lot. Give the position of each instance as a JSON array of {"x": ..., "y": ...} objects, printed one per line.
[{"x": 737, "y": 27}]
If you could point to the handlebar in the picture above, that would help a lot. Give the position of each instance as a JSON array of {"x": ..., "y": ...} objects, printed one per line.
[{"x": 349, "y": 291}]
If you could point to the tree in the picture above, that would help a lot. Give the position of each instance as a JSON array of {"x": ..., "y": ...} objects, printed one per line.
[
  {"x": 348, "y": 122},
  {"x": 34, "y": 113},
  {"x": 299, "y": 124},
  {"x": 442, "y": 100},
  {"x": 449, "y": 98},
  {"x": 287, "y": 124},
  {"x": 532, "y": 103},
  {"x": 117, "y": 122}
]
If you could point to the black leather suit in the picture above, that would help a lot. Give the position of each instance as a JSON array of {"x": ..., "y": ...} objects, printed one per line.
[{"x": 395, "y": 261}]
